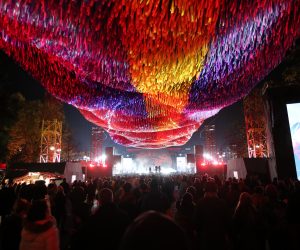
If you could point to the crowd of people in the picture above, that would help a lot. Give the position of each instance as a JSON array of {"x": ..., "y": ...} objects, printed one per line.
[{"x": 151, "y": 212}]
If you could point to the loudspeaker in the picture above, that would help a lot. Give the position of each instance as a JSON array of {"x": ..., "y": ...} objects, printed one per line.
[
  {"x": 117, "y": 159},
  {"x": 198, "y": 155},
  {"x": 241, "y": 167},
  {"x": 258, "y": 167},
  {"x": 190, "y": 158},
  {"x": 109, "y": 151},
  {"x": 198, "y": 150}
]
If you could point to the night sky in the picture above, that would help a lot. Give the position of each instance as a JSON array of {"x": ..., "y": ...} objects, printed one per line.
[{"x": 21, "y": 81}]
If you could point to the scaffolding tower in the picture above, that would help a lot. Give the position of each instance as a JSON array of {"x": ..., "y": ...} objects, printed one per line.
[
  {"x": 51, "y": 135},
  {"x": 255, "y": 121}
]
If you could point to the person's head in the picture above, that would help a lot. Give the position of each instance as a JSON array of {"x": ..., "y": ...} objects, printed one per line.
[
  {"x": 217, "y": 179},
  {"x": 105, "y": 184},
  {"x": 127, "y": 187},
  {"x": 141, "y": 181},
  {"x": 154, "y": 185},
  {"x": 60, "y": 190},
  {"x": 275, "y": 180},
  {"x": 187, "y": 204},
  {"x": 235, "y": 186},
  {"x": 204, "y": 178},
  {"x": 10, "y": 181},
  {"x": 52, "y": 188},
  {"x": 192, "y": 191},
  {"x": 78, "y": 194},
  {"x": 271, "y": 191},
  {"x": 105, "y": 196},
  {"x": 39, "y": 190},
  {"x": 259, "y": 190},
  {"x": 196, "y": 181},
  {"x": 148, "y": 231},
  {"x": 245, "y": 199},
  {"x": 211, "y": 187},
  {"x": 143, "y": 188},
  {"x": 38, "y": 210}
]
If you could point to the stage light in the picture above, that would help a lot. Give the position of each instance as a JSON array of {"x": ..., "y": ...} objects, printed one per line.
[
  {"x": 86, "y": 158},
  {"x": 100, "y": 159},
  {"x": 207, "y": 156},
  {"x": 92, "y": 165}
]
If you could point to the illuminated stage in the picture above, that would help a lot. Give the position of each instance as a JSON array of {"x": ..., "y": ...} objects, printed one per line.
[
  {"x": 170, "y": 161},
  {"x": 130, "y": 167},
  {"x": 153, "y": 162}
]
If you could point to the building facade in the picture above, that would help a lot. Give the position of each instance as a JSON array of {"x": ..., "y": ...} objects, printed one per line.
[
  {"x": 210, "y": 145},
  {"x": 98, "y": 137}
]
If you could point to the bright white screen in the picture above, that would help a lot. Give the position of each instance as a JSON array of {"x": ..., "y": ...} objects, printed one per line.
[
  {"x": 294, "y": 121},
  {"x": 181, "y": 164}
]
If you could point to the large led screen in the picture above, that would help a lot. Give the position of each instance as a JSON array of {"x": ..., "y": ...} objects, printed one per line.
[{"x": 294, "y": 120}]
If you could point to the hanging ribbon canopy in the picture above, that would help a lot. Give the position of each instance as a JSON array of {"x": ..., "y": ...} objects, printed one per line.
[{"x": 148, "y": 71}]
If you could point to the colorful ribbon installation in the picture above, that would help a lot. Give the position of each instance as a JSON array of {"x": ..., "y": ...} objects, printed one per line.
[{"x": 148, "y": 71}]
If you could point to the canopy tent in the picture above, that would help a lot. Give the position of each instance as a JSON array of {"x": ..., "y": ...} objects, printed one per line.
[{"x": 26, "y": 171}]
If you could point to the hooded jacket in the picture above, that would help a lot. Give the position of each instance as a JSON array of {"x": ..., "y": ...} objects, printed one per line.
[{"x": 40, "y": 235}]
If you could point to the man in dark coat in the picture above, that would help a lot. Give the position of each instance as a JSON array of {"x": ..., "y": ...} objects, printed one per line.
[
  {"x": 105, "y": 228},
  {"x": 212, "y": 220}
]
